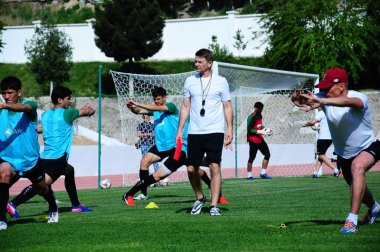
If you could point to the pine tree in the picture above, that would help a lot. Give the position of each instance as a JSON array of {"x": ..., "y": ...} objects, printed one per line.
[{"x": 129, "y": 29}]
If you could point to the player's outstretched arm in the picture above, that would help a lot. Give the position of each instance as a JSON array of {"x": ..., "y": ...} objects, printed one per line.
[
  {"x": 310, "y": 123},
  {"x": 86, "y": 110},
  {"x": 297, "y": 99},
  {"x": 138, "y": 108},
  {"x": 343, "y": 101},
  {"x": 17, "y": 107},
  {"x": 131, "y": 105},
  {"x": 153, "y": 107}
]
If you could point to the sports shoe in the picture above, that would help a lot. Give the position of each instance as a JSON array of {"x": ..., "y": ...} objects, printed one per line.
[
  {"x": 337, "y": 174},
  {"x": 128, "y": 199},
  {"x": 80, "y": 209},
  {"x": 164, "y": 182},
  {"x": 53, "y": 217},
  {"x": 250, "y": 178},
  {"x": 367, "y": 217},
  {"x": 349, "y": 228},
  {"x": 214, "y": 211},
  {"x": 141, "y": 197},
  {"x": 265, "y": 176},
  {"x": 198, "y": 204},
  {"x": 3, "y": 225},
  {"x": 370, "y": 216},
  {"x": 12, "y": 211},
  {"x": 222, "y": 200}
]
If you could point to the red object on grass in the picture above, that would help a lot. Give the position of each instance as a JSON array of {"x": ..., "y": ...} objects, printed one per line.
[{"x": 178, "y": 150}]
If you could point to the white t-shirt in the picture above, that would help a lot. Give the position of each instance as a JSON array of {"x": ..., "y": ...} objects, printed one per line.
[
  {"x": 323, "y": 132},
  {"x": 217, "y": 93},
  {"x": 350, "y": 128}
]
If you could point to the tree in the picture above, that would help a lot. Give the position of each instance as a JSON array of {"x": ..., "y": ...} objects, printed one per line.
[
  {"x": 49, "y": 55},
  {"x": 129, "y": 29},
  {"x": 312, "y": 36},
  {"x": 171, "y": 7},
  {"x": 220, "y": 53},
  {"x": 239, "y": 44},
  {"x": 372, "y": 63}
]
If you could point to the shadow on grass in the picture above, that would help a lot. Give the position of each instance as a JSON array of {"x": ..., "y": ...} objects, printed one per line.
[
  {"x": 166, "y": 196},
  {"x": 313, "y": 222},
  {"x": 22, "y": 221},
  {"x": 205, "y": 210}
]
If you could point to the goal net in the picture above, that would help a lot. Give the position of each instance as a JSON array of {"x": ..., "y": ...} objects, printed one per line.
[{"x": 290, "y": 145}]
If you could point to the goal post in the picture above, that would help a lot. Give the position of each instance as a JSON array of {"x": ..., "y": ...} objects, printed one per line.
[{"x": 290, "y": 143}]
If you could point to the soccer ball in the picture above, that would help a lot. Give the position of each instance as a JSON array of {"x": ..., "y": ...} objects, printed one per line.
[
  {"x": 105, "y": 184},
  {"x": 316, "y": 126},
  {"x": 269, "y": 131}
]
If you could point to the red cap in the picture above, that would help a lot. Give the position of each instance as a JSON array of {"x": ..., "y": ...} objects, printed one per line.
[{"x": 331, "y": 77}]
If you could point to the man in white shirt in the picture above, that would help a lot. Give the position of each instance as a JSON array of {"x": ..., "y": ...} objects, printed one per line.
[
  {"x": 207, "y": 101},
  {"x": 323, "y": 143},
  {"x": 349, "y": 119}
]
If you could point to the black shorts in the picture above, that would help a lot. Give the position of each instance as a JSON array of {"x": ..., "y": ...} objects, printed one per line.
[
  {"x": 209, "y": 144},
  {"x": 170, "y": 163},
  {"x": 345, "y": 164},
  {"x": 35, "y": 175},
  {"x": 374, "y": 150},
  {"x": 161, "y": 154},
  {"x": 323, "y": 145},
  {"x": 254, "y": 147},
  {"x": 55, "y": 167}
]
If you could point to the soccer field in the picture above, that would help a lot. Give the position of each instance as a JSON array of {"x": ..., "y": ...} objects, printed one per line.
[{"x": 282, "y": 214}]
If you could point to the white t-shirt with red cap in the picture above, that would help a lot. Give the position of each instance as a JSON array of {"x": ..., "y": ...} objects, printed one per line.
[{"x": 350, "y": 128}]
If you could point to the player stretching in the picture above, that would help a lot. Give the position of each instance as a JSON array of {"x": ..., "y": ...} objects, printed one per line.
[
  {"x": 165, "y": 127},
  {"x": 57, "y": 131},
  {"x": 19, "y": 148},
  {"x": 349, "y": 119}
]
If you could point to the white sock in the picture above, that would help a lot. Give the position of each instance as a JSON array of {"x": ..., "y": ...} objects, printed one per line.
[
  {"x": 263, "y": 171},
  {"x": 336, "y": 170},
  {"x": 353, "y": 217},
  {"x": 249, "y": 174}
]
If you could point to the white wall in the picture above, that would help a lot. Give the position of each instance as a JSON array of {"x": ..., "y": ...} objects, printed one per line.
[
  {"x": 182, "y": 38},
  {"x": 126, "y": 159}
]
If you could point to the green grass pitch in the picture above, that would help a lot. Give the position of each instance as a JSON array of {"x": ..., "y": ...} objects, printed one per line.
[{"x": 312, "y": 211}]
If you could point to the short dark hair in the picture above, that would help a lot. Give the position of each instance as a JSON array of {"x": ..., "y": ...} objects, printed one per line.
[
  {"x": 60, "y": 92},
  {"x": 11, "y": 82},
  {"x": 158, "y": 91},
  {"x": 205, "y": 53},
  {"x": 259, "y": 105}
]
